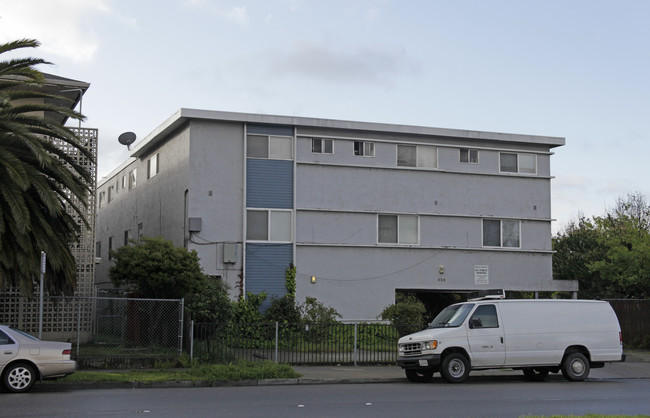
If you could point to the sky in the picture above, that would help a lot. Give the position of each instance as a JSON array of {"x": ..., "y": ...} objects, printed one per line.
[{"x": 577, "y": 69}]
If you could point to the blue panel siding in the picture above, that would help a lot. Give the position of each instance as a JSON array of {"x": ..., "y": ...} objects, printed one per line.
[
  {"x": 269, "y": 184},
  {"x": 265, "y": 269},
  {"x": 269, "y": 129}
]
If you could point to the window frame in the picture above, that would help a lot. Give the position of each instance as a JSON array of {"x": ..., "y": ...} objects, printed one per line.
[
  {"x": 503, "y": 239},
  {"x": 133, "y": 178},
  {"x": 468, "y": 156},
  {"x": 399, "y": 231},
  {"x": 153, "y": 166},
  {"x": 272, "y": 146},
  {"x": 323, "y": 145},
  {"x": 271, "y": 233},
  {"x": 363, "y": 148},
  {"x": 518, "y": 168},
  {"x": 419, "y": 149}
]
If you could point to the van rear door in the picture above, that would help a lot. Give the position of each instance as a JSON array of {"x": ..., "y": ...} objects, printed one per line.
[{"x": 486, "y": 337}]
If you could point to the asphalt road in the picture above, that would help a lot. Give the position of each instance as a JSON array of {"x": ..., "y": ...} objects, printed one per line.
[{"x": 489, "y": 397}]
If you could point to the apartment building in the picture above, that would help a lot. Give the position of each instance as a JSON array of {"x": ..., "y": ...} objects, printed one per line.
[{"x": 363, "y": 210}]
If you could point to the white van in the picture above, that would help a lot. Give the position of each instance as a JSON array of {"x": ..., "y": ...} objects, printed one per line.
[{"x": 534, "y": 335}]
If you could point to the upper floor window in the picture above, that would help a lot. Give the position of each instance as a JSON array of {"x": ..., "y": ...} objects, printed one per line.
[
  {"x": 268, "y": 225},
  {"x": 397, "y": 229},
  {"x": 517, "y": 163},
  {"x": 152, "y": 166},
  {"x": 366, "y": 149},
  {"x": 420, "y": 156},
  {"x": 127, "y": 236},
  {"x": 102, "y": 197},
  {"x": 111, "y": 192},
  {"x": 110, "y": 247},
  {"x": 501, "y": 233},
  {"x": 123, "y": 182},
  {"x": 322, "y": 146},
  {"x": 469, "y": 156},
  {"x": 269, "y": 146},
  {"x": 133, "y": 175}
]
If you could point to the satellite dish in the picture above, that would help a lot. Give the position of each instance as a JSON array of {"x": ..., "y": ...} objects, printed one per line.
[{"x": 127, "y": 138}]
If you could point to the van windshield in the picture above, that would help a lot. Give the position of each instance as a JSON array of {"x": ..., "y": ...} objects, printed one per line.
[{"x": 452, "y": 316}]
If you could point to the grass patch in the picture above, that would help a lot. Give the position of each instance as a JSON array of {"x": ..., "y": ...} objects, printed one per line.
[{"x": 200, "y": 373}]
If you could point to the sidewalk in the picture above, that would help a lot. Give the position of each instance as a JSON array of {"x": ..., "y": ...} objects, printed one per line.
[{"x": 636, "y": 366}]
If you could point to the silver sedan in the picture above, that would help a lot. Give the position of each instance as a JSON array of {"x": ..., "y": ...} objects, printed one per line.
[{"x": 25, "y": 359}]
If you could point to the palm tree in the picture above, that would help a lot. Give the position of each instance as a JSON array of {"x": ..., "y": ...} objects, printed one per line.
[{"x": 40, "y": 184}]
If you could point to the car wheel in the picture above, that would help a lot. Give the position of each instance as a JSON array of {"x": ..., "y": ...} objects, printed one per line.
[
  {"x": 536, "y": 374},
  {"x": 19, "y": 377},
  {"x": 575, "y": 367},
  {"x": 419, "y": 376},
  {"x": 455, "y": 368}
]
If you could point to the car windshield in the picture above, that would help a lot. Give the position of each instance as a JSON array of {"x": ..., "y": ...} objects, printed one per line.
[
  {"x": 24, "y": 334},
  {"x": 452, "y": 316}
]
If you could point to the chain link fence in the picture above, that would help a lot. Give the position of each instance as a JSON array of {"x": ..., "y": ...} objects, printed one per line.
[{"x": 102, "y": 327}]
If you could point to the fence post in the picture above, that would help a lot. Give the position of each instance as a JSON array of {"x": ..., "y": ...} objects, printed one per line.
[
  {"x": 276, "y": 342},
  {"x": 191, "y": 340},
  {"x": 180, "y": 333},
  {"x": 356, "y": 352},
  {"x": 78, "y": 323}
]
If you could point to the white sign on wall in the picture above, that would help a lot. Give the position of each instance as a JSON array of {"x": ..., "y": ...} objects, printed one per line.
[{"x": 481, "y": 275}]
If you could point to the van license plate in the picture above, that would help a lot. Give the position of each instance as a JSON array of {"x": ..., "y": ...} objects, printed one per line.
[{"x": 424, "y": 363}]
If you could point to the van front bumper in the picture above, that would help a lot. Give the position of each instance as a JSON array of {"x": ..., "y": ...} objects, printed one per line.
[{"x": 425, "y": 361}]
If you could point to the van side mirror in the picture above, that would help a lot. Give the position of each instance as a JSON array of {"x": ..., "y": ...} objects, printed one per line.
[{"x": 475, "y": 323}]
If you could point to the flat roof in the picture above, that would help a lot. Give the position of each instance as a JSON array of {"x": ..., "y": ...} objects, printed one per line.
[{"x": 183, "y": 115}]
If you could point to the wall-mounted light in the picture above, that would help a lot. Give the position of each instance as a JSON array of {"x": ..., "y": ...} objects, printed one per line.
[
  {"x": 313, "y": 279},
  {"x": 441, "y": 269}
]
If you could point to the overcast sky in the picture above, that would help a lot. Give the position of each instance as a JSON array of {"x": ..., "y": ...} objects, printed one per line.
[{"x": 578, "y": 69}]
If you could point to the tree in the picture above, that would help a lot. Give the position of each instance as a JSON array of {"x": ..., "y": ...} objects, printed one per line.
[
  {"x": 154, "y": 268},
  {"x": 576, "y": 249},
  {"x": 609, "y": 256},
  {"x": 39, "y": 181},
  {"x": 210, "y": 304}
]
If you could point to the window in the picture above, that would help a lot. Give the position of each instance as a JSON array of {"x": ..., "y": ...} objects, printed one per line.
[
  {"x": 268, "y": 225},
  {"x": 111, "y": 193},
  {"x": 501, "y": 233},
  {"x": 123, "y": 182},
  {"x": 102, "y": 197},
  {"x": 366, "y": 149},
  {"x": 269, "y": 146},
  {"x": 5, "y": 340},
  {"x": 152, "y": 166},
  {"x": 397, "y": 229},
  {"x": 127, "y": 236},
  {"x": 469, "y": 156},
  {"x": 133, "y": 175},
  {"x": 322, "y": 146},
  {"x": 485, "y": 316},
  {"x": 140, "y": 229},
  {"x": 110, "y": 247},
  {"x": 417, "y": 156},
  {"x": 518, "y": 163},
  {"x": 98, "y": 249}
]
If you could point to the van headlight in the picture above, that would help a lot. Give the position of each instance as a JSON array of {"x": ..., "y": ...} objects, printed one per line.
[{"x": 431, "y": 345}]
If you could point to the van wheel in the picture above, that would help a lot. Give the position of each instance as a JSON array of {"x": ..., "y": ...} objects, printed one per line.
[
  {"x": 19, "y": 378},
  {"x": 575, "y": 367},
  {"x": 419, "y": 376},
  {"x": 536, "y": 374},
  {"x": 455, "y": 368}
]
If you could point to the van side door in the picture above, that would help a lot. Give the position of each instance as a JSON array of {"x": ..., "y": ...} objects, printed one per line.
[{"x": 486, "y": 337}]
